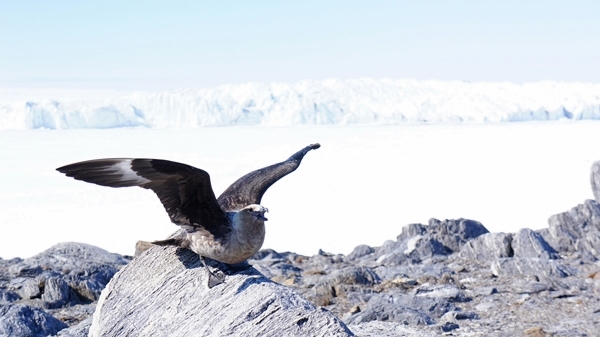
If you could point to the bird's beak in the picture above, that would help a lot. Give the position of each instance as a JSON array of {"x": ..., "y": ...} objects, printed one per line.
[{"x": 260, "y": 216}]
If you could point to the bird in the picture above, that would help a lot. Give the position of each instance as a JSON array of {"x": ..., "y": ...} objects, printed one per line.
[{"x": 229, "y": 229}]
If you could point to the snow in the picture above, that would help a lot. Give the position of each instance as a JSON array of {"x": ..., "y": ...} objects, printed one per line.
[
  {"x": 338, "y": 102},
  {"x": 360, "y": 187}
]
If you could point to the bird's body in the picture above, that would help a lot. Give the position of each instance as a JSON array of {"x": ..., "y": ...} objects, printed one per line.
[
  {"x": 228, "y": 229},
  {"x": 242, "y": 242}
]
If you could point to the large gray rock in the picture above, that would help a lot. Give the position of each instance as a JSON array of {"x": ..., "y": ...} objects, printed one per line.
[
  {"x": 530, "y": 267},
  {"x": 22, "y": 320},
  {"x": 530, "y": 244},
  {"x": 567, "y": 229},
  {"x": 163, "y": 292},
  {"x": 595, "y": 180},
  {"x": 488, "y": 247},
  {"x": 66, "y": 257},
  {"x": 455, "y": 233},
  {"x": 57, "y": 293}
]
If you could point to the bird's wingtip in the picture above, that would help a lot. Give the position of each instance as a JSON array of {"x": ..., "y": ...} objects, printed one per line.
[{"x": 315, "y": 146}]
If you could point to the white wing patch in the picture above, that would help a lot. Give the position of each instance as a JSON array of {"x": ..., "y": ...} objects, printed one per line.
[{"x": 124, "y": 168}]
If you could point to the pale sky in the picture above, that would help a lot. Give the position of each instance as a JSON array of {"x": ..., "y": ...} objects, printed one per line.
[{"x": 158, "y": 45}]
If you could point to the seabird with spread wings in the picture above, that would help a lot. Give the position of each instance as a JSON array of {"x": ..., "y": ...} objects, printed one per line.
[{"x": 229, "y": 229}]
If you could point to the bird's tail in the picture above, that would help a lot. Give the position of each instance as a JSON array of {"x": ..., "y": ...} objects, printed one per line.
[{"x": 169, "y": 242}]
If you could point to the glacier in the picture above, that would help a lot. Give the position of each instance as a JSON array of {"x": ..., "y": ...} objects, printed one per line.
[{"x": 333, "y": 101}]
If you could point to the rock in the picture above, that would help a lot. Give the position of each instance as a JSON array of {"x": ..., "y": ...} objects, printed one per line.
[
  {"x": 79, "y": 330},
  {"x": 7, "y": 296},
  {"x": 411, "y": 230},
  {"x": 488, "y": 247},
  {"x": 57, "y": 293},
  {"x": 29, "y": 288},
  {"x": 530, "y": 267},
  {"x": 141, "y": 246},
  {"x": 567, "y": 229},
  {"x": 176, "y": 302},
  {"x": 595, "y": 180},
  {"x": 68, "y": 256},
  {"x": 447, "y": 292},
  {"x": 388, "y": 329},
  {"x": 455, "y": 233},
  {"x": 24, "y": 320},
  {"x": 402, "y": 308},
  {"x": 267, "y": 254},
  {"x": 360, "y": 251},
  {"x": 530, "y": 244}
]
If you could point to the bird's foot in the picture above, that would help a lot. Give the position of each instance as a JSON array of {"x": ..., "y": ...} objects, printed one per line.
[{"x": 215, "y": 279}]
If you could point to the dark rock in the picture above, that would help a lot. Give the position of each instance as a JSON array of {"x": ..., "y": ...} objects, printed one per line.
[
  {"x": 530, "y": 267},
  {"x": 57, "y": 293},
  {"x": 488, "y": 247},
  {"x": 448, "y": 326},
  {"x": 455, "y": 233},
  {"x": 7, "y": 296},
  {"x": 177, "y": 302},
  {"x": 23, "y": 320},
  {"x": 530, "y": 244},
  {"x": 595, "y": 180},
  {"x": 88, "y": 283},
  {"x": 267, "y": 254}
]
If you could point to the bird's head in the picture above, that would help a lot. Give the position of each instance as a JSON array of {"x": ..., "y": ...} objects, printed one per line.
[{"x": 256, "y": 211}]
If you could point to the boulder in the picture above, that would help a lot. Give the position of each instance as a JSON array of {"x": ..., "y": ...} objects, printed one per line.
[
  {"x": 488, "y": 247},
  {"x": 567, "y": 229},
  {"x": 163, "y": 292},
  {"x": 57, "y": 293},
  {"x": 67, "y": 257},
  {"x": 455, "y": 233},
  {"x": 595, "y": 180},
  {"x": 530, "y": 267},
  {"x": 24, "y": 320},
  {"x": 360, "y": 251},
  {"x": 530, "y": 244}
]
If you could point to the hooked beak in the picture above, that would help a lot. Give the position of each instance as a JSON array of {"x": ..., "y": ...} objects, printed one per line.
[{"x": 261, "y": 215}]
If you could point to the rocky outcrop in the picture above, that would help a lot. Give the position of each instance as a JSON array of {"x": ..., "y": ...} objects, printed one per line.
[
  {"x": 576, "y": 231},
  {"x": 444, "y": 277},
  {"x": 163, "y": 292},
  {"x": 420, "y": 243},
  {"x": 47, "y": 293},
  {"x": 488, "y": 247},
  {"x": 530, "y": 244}
]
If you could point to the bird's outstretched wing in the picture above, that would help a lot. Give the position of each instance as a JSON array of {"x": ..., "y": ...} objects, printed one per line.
[
  {"x": 250, "y": 188},
  {"x": 185, "y": 191}
]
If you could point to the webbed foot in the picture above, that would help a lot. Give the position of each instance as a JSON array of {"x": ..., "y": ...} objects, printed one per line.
[{"x": 214, "y": 279}]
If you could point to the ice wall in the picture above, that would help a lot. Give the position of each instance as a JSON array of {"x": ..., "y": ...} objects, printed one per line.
[{"x": 362, "y": 101}]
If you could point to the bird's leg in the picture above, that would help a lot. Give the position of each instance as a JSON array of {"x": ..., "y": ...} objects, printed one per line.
[{"x": 213, "y": 279}]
